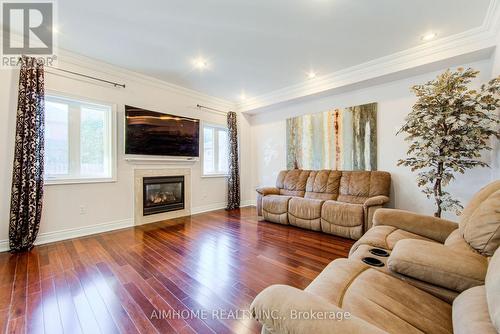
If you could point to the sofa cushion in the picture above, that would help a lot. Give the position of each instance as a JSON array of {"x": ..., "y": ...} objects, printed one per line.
[
  {"x": 445, "y": 294},
  {"x": 492, "y": 283},
  {"x": 285, "y": 309},
  {"x": 332, "y": 282},
  {"x": 470, "y": 312},
  {"x": 352, "y": 199},
  {"x": 294, "y": 180},
  {"x": 276, "y": 203},
  {"x": 294, "y": 193},
  {"x": 343, "y": 219},
  {"x": 380, "y": 184},
  {"x": 320, "y": 196},
  {"x": 344, "y": 214},
  {"x": 275, "y": 208},
  {"x": 381, "y": 299},
  {"x": 323, "y": 184},
  {"x": 305, "y": 213},
  {"x": 355, "y": 184},
  {"x": 437, "y": 264},
  {"x": 476, "y": 200},
  {"x": 457, "y": 242},
  {"x": 481, "y": 227},
  {"x": 356, "y": 187}
]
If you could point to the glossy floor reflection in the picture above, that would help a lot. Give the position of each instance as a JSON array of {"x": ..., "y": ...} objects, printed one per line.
[{"x": 195, "y": 274}]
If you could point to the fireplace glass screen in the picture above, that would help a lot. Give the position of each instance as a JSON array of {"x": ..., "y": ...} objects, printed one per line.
[{"x": 163, "y": 194}]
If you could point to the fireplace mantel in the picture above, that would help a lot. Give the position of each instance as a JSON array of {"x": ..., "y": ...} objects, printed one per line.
[
  {"x": 140, "y": 174},
  {"x": 139, "y": 160}
]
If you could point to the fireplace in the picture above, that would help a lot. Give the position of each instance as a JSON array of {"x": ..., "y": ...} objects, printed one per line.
[{"x": 162, "y": 194}]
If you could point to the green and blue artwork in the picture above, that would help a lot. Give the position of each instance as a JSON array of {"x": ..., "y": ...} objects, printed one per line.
[{"x": 340, "y": 139}]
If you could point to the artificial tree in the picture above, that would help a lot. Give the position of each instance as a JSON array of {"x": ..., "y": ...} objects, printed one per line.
[{"x": 448, "y": 128}]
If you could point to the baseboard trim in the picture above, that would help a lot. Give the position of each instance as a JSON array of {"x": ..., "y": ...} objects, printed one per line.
[
  {"x": 48, "y": 237},
  {"x": 209, "y": 207},
  {"x": 219, "y": 206},
  {"x": 250, "y": 202},
  {"x": 4, "y": 245}
]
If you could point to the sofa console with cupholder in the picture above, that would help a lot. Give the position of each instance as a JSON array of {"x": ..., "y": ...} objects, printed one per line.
[{"x": 410, "y": 273}]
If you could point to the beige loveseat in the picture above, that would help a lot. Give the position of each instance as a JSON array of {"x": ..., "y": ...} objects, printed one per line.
[
  {"x": 437, "y": 255},
  {"x": 376, "y": 303},
  {"x": 426, "y": 250},
  {"x": 335, "y": 202}
]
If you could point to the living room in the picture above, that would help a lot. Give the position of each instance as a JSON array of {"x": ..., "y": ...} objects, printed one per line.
[{"x": 227, "y": 167}]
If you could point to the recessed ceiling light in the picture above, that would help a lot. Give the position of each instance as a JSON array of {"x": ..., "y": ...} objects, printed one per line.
[
  {"x": 200, "y": 63},
  {"x": 429, "y": 36},
  {"x": 311, "y": 74}
]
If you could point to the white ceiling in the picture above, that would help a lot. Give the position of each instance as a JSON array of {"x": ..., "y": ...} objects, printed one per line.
[{"x": 255, "y": 46}]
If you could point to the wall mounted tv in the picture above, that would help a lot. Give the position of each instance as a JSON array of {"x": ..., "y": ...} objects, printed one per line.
[{"x": 152, "y": 133}]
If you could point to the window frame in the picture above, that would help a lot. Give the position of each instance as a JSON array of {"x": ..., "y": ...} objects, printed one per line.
[
  {"x": 216, "y": 150},
  {"x": 72, "y": 158}
]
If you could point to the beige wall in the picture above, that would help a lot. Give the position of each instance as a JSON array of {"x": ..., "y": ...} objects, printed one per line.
[
  {"x": 394, "y": 102},
  {"x": 108, "y": 205}
]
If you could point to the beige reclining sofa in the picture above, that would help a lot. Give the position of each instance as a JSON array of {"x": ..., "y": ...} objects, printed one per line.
[
  {"x": 335, "y": 202},
  {"x": 434, "y": 254},
  {"x": 438, "y": 277}
]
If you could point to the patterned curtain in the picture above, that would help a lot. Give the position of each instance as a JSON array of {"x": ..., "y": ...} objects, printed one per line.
[
  {"x": 233, "y": 192},
  {"x": 27, "y": 179}
]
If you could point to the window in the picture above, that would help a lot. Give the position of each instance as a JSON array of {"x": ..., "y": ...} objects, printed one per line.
[
  {"x": 215, "y": 150},
  {"x": 79, "y": 141}
]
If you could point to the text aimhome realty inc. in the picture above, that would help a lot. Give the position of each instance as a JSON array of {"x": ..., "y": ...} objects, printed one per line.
[{"x": 238, "y": 314}]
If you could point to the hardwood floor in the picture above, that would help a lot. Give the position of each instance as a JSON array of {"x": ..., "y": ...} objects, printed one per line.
[{"x": 189, "y": 275}]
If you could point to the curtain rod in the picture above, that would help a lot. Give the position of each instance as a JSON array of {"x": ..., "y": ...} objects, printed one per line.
[
  {"x": 209, "y": 108},
  {"x": 116, "y": 84}
]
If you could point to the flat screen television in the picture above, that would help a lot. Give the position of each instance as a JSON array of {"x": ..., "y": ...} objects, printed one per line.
[{"x": 153, "y": 133}]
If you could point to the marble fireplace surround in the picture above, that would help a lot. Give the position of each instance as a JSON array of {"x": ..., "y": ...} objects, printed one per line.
[{"x": 139, "y": 174}]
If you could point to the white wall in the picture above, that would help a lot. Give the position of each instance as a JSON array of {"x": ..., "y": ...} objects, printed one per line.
[
  {"x": 108, "y": 205},
  {"x": 262, "y": 146},
  {"x": 394, "y": 102}
]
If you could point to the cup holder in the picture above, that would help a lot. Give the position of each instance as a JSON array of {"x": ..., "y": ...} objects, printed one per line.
[
  {"x": 373, "y": 261},
  {"x": 379, "y": 252}
]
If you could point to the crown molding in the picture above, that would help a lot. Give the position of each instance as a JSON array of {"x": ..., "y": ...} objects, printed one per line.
[
  {"x": 116, "y": 73},
  {"x": 477, "y": 41},
  {"x": 474, "y": 41},
  {"x": 125, "y": 75},
  {"x": 492, "y": 18}
]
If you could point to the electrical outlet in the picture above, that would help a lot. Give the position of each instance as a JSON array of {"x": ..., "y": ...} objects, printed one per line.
[{"x": 83, "y": 209}]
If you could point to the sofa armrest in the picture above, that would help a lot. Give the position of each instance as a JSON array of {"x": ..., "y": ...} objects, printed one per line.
[
  {"x": 370, "y": 206},
  {"x": 284, "y": 309},
  {"x": 438, "y": 264},
  {"x": 264, "y": 191},
  {"x": 376, "y": 200},
  {"x": 427, "y": 226}
]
